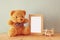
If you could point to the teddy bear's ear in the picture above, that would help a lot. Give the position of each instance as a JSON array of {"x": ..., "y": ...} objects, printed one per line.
[{"x": 12, "y": 12}]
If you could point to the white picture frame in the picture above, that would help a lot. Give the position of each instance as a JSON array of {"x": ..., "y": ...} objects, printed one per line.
[{"x": 36, "y": 23}]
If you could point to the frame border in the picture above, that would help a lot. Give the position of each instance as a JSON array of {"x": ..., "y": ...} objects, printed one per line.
[{"x": 30, "y": 15}]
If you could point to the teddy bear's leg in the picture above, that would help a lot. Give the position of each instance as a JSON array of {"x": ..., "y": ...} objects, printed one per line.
[
  {"x": 26, "y": 31},
  {"x": 12, "y": 32},
  {"x": 19, "y": 30}
]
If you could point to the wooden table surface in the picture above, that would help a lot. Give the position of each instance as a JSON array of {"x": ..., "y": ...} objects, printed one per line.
[{"x": 4, "y": 36}]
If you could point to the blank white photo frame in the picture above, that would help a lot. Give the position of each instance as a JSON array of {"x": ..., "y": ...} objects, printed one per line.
[{"x": 36, "y": 23}]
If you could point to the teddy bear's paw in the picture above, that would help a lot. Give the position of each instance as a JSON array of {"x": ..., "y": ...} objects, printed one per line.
[
  {"x": 12, "y": 32},
  {"x": 12, "y": 35},
  {"x": 26, "y": 31}
]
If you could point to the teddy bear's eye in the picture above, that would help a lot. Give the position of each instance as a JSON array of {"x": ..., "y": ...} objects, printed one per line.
[{"x": 16, "y": 16}]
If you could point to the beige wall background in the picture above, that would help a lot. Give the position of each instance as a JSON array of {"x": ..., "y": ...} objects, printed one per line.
[{"x": 49, "y": 8}]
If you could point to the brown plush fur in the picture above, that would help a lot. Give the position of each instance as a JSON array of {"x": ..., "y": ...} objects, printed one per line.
[{"x": 17, "y": 22}]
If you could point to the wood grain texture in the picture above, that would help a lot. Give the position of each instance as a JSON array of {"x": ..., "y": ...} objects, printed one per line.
[{"x": 29, "y": 37}]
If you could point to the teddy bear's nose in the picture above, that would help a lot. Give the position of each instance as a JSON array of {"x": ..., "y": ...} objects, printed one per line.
[{"x": 21, "y": 19}]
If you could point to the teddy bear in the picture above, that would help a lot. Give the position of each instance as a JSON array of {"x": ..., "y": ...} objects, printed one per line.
[{"x": 16, "y": 22}]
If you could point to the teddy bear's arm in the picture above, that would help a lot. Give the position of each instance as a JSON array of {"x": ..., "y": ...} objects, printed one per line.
[
  {"x": 10, "y": 22},
  {"x": 26, "y": 20}
]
